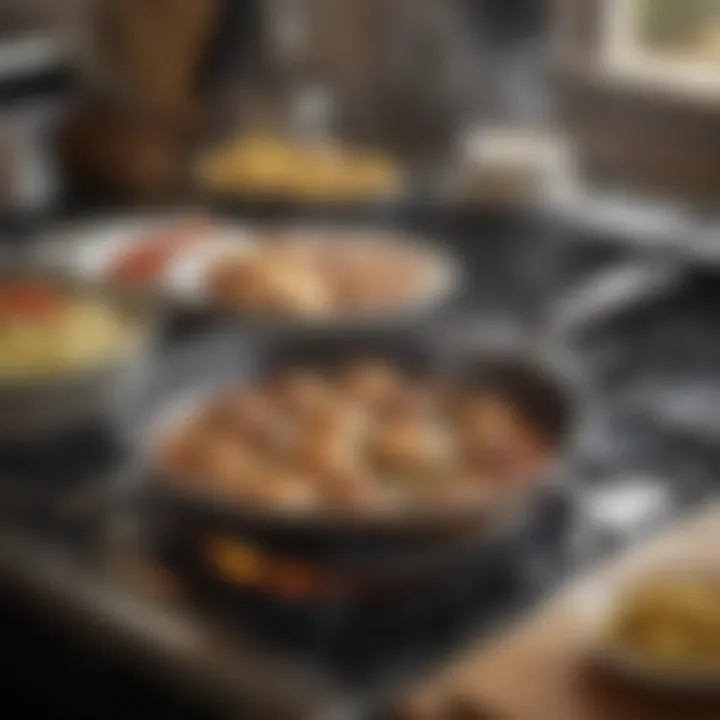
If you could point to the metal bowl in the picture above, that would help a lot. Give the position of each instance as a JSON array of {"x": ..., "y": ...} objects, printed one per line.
[{"x": 38, "y": 407}]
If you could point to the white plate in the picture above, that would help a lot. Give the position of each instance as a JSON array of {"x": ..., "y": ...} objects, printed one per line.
[
  {"x": 187, "y": 276},
  {"x": 87, "y": 251}
]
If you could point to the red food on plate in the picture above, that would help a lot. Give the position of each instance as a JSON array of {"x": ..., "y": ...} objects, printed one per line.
[
  {"x": 29, "y": 301},
  {"x": 140, "y": 265},
  {"x": 147, "y": 259}
]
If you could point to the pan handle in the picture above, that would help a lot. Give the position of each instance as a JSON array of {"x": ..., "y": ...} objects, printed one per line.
[{"x": 605, "y": 295}]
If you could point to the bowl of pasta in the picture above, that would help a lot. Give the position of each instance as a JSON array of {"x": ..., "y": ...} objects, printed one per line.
[
  {"x": 661, "y": 629},
  {"x": 67, "y": 355}
]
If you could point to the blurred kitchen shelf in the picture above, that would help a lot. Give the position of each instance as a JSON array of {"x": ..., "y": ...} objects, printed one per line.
[
  {"x": 24, "y": 56},
  {"x": 31, "y": 68}
]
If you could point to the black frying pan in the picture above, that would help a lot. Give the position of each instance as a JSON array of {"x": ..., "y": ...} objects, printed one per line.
[{"x": 383, "y": 544}]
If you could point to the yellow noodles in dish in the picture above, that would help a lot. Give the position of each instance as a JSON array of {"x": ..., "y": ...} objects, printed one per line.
[
  {"x": 79, "y": 335},
  {"x": 267, "y": 167},
  {"x": 672, "y": 621}
]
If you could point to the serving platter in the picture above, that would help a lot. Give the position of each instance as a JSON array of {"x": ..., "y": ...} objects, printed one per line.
[{"x": 93, "y": 253}]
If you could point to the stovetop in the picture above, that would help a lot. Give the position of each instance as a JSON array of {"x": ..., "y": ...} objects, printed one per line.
[{"x": 57, "y": 491}]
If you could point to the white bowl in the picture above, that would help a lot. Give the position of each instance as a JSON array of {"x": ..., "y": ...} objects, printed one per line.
[{"x": 39, "y": 408}]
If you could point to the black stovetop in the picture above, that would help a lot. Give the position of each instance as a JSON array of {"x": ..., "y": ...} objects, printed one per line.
[{"x": 365, "y": 646}]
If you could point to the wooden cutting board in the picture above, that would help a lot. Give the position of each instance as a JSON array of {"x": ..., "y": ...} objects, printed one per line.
[{"x": 539, "y": 671}]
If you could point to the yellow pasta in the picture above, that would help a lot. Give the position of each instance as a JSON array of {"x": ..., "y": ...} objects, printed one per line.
[
  {"x": 79, "y": 335},
  {"x": 672, "y": 621},
  {"x": 265, "y": 167}
]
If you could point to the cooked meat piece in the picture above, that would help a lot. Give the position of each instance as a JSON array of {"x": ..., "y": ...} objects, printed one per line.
[
  {"x": 357, "y": 491},
  {"x": 411, "y": 447},
  {"x": 325, "y": 452},
  {"x": 460, "y": 492},
  {"x": 287, "y": 490},
  {"x": 301, "y": 393},
  {"x": 184, "y": 453},
  {"x": 268, "y": 285},
  {"x": 422, "y": 399},
  {"x": 371, "y": 382},
  {"x": 497, "y": 442},
  {"x": 230, "y": 467}
]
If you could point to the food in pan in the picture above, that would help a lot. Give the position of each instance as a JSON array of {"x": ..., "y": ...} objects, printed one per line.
[
  {"x": 272, "y": 168},
  {"x": 493, "y": 439},
  {"x": 671, "y": 621},
  {"x": 47, "y": 332},
  {"x": 317, "y": 275},
  {"x": 363, "y": 438}
]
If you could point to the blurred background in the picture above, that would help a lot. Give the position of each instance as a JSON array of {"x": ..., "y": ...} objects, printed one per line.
[
  {"x": 411, "y": 81},
  {"x": 565, "y": 152}
]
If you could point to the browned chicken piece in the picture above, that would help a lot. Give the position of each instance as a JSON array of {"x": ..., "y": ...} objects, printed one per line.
[
  {"x": 184, "y": 453},
  {"x": 230, "y": 468},
  {"x": 356, "y": 491},
  {"x": 344, "y": 418},
  {"x": 457, "y": 493},
  {"x": 267, "y": 285},
  {"x": 240, "y": 411},
  {"x": 371, "y": 382},
  {"x": 409, "y": 446},
  {"x": 290, "y": 293},
  {"x": 285, "y": 490},
  {"x": 423, "y": 399},
  {"x": 325, "y": 452},
  {"x": 302, "y": 393},
  {"x": 370, "y": 275},
  {"x": 232, "y": 283},
  {"x": 250, "y": 416},
  {"x": 497, "y": 442}
]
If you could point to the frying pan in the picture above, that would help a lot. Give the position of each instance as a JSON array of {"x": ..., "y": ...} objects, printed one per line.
[{"x": 371, "y": 545}]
